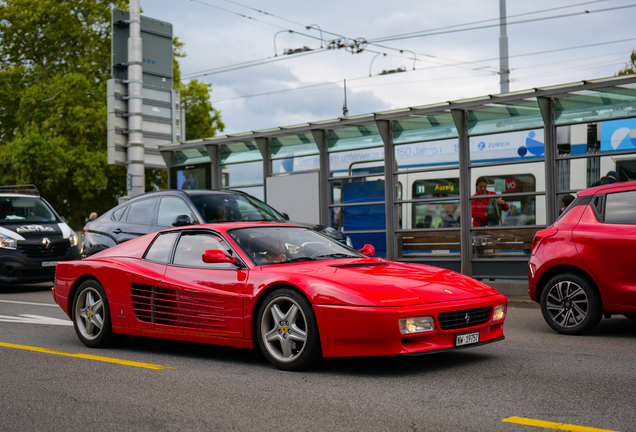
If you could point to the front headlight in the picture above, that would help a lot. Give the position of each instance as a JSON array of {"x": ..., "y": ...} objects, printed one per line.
[
  {"x": 73, "y": 239},
  {"x": 499, "y": 313},
  {"x": 7, "y": 242},
  {"x": 417, "y": 325}
]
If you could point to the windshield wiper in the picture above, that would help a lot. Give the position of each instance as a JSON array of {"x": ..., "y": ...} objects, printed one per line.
[
  {"x": 337, "y": 255},
  {"x": 301, "y": 259}
]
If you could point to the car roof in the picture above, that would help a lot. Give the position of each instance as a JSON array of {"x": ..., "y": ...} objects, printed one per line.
[
  {"x": 612, "y": 187},
  {"x": 226, "y": 226}
]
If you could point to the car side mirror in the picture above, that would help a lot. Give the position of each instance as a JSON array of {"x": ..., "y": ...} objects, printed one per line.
[
  {"x": 215, "y": 256},
  {"x": 285, "y": 215},
  {"x": 181, "y": 220},
  {"x": 367, "y": 250}
]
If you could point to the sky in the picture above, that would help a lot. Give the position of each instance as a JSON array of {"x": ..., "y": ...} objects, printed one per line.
[{"x": 449, "y": 50}]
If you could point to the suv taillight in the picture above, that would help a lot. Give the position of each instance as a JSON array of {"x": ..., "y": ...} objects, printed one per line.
[{"x": 539, "y": 237}]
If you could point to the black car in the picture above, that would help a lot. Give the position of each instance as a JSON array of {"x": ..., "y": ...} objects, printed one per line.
[
  {"x": 158, "y": 210},
  {"x": 33, "y": 238}
]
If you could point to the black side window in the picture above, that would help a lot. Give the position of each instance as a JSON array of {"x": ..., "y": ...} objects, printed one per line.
[
  {"x": 142, "y": 212},
  {"x": 620, "y": 208},
  {"x": 159, "y": 250},
  {"x": 192, "y": 245},
  {"x": 117, "y": 214}
]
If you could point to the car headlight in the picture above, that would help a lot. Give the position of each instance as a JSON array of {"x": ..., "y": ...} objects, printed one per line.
[
  {"x": 7, "y": 242},
  {"x": 349, "y": 242},
  {"x": 499, "y": 313},
  {"x": 417, "y": 325},
  {"x": 73, "y": 239}
]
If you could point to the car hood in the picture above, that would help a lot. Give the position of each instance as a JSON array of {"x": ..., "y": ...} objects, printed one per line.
[
  {"x": 397, "y": 284},
  {"x": 37, "y": 230}
]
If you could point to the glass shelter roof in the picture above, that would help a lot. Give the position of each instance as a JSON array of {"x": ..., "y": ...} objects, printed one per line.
[{"x": 586, "y": 101}]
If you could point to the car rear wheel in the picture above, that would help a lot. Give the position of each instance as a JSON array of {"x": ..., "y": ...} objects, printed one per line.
[
  {"x": 571, "y": 304},
  {"x": 91, "y": 316},
  {"x": 287, "y": 330}
]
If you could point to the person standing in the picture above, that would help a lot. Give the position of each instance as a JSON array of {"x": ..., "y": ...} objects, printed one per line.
[{"x": 480, "y": 206}]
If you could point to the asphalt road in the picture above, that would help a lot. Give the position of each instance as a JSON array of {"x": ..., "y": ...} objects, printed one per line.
[{"x": 534, "y": 374}]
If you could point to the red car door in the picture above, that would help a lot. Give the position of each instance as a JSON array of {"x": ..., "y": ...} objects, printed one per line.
[
  {"x": 608, "y": 248},
  {"x": 199, "y": 298}
]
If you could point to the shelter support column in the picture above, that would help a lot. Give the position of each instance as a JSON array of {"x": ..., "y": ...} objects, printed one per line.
[
  {"x": 265, "y": 147},
  {"x": 386, "y": 131},
  {"x": 461, "y": 123},
  {"x": 214, "y": 151},
  {"x": 324, "y": 190},
  {"x": 547, "y": 112}
]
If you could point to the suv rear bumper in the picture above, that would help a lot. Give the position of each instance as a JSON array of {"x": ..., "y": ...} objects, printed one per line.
[{"x": 16, "y": 268}]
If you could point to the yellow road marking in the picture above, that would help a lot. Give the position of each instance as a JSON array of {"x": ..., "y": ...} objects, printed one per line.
[
  {"x": 552, "y": 425},
  {"x": 87, "y": 356}
]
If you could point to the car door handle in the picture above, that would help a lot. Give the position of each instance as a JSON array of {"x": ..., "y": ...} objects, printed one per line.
[{"x": 117, "y": 231}]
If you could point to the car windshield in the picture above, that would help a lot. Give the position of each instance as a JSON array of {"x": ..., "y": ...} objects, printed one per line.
[
  {"x": 233, "y": 207},
  {"x": 16, "y": 210},
  {"x": 281, "y": 245}
]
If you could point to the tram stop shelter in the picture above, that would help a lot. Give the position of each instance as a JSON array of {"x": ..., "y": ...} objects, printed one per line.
[{"x": 403, "y": 180}]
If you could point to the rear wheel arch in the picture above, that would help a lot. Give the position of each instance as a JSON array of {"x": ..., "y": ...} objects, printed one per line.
[
  {"x": 560, "y": 269},
  {"x": 75, "y": 287}
]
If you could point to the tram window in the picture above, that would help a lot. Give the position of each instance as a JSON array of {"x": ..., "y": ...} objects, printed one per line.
[{"x": 445, "y": 212}]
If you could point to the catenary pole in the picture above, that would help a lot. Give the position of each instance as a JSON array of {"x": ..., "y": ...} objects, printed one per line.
[
  {"x": 504, "y": 69},
  {"x": 135, "y": 152}
]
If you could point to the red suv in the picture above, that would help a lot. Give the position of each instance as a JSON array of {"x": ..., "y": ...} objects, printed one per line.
[{"x": 584, "y": 265}]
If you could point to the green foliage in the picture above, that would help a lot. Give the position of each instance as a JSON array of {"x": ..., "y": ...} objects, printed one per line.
[
  {"x": 202, "y": 120},
  {"x": 54, "y": 63},
  {"x": 630, "y": 67}
]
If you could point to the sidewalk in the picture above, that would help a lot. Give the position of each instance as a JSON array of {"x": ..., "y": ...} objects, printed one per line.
[{"x": 516, "y": 291}]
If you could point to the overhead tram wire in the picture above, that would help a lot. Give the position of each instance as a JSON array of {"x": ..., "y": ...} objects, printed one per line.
[
  {"x": 441, "y": 28},
  {"x": 424, "y": 34},
  {"x": 418, "y": 70},
  {"x": 497, "y": 19},
  {"x": 262, "y": 61}
]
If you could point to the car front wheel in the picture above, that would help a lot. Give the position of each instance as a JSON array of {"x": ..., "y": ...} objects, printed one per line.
[
  {"x": 91, "y": 316},
  {"x": 287, "y": 330},
  {"x": 570, "y": 304}
]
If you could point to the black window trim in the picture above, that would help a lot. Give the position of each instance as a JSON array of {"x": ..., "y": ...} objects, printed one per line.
[
  {"x": 172, "y": 248},
  {"x": 240, "y": 265}
]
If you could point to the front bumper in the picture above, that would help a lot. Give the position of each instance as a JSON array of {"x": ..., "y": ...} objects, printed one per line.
[
  {"x": 348, "y": 331},
  {"x": 17, "y": 268}
]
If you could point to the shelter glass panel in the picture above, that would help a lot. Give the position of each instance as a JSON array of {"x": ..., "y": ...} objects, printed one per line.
[
  {"x": 505, "y": 117},
  {"x": 429, "y": 244},
  {"x": 356, "y": 162},
  {"x": 427, "y": 154},
  {"x": 595, "y": 105},
  {"x": 423, "y": 128},
  {"x": 293, "y": 145},
  {"x": 242, "y": 174},
  {"x": 240, "y": 152},
  {"x": 518, "y": 145},
  {"x": 357, "y": 190},
  {"x": 191, "y": 156},
  {"x": 354, "y": 137}
]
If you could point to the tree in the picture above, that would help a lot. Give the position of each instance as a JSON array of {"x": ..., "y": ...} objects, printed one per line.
[
  {"x": 630, "y": 67},
  {"x": 54, "y": 63}
]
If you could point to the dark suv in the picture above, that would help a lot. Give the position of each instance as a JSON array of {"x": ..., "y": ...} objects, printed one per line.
[
  {"x": 581, "y": 267},
  {"x": 155, "y": 211}
]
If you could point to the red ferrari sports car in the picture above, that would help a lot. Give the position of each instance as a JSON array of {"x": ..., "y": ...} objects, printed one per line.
[{"x": 294, "y": 293}]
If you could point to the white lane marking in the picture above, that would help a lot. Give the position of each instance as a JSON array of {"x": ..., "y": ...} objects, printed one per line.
[
  {"x": 35, "y": 319},
  {"x": 28, "y": 303}
]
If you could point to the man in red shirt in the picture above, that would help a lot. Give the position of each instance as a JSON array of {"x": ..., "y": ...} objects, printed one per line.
[{"x": 480, "y": 206}]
